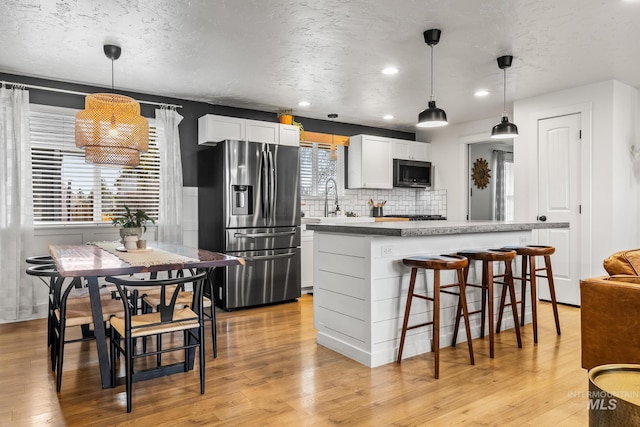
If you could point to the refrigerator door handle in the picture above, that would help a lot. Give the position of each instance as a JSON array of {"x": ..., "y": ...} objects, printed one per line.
[
  {"x": 264, "y": 185},
  {"x": 264, "y": 257},
  {"x": 272, "y": 187},
  {"x": 254, "y": 235}
]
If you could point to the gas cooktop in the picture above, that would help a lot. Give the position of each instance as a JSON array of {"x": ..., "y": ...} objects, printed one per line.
[{"x": 420, "y": 217}]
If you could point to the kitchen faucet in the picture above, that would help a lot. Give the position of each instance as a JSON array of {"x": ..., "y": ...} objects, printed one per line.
[{"x": 326, "y": 196}]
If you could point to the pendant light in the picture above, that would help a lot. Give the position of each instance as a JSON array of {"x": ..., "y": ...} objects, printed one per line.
[
  {"x": 333, "y": 153},
  {"x": 432, "y": 116},
  {"x": 110, "y": 127},
  {"x": 505, "y": 129}
]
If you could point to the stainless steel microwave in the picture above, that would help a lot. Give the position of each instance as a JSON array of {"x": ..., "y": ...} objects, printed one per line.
[{"x": 410, "y": 173}]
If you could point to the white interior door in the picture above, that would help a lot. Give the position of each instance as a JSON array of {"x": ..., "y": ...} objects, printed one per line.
[{"x": 559, "y": 201}]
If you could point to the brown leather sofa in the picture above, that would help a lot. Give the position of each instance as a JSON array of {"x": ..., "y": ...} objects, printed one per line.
[
  {"x": 610, "y": 321},
  {"x": 610, "y": 313}
]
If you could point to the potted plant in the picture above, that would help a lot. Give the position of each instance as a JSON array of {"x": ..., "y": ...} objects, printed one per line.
[
  {"x": 286, "y": 116},
  {"x": 132, "y": 223}
]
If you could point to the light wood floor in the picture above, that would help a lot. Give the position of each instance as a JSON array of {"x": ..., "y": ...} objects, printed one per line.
[{"x": 270, "y": 371}]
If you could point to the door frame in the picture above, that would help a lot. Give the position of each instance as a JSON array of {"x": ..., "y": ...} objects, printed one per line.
[
  {"x": 526, "y": 205},
  {"x": 464, "y": 143},
  {"x": 505, "y": 145}
]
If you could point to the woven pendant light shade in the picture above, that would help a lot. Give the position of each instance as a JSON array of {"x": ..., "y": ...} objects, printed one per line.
[{"x": 111, "y": 130}]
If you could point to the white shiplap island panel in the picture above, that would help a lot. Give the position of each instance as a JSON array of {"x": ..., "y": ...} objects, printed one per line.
[{"x": 360, "y": 283}]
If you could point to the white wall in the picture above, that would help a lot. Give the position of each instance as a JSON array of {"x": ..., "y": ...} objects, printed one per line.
[
  {"x": 625, "y": 208},
  {"x": 449, "y": 159},
  {"x": 610, "y": 191},
  {"x": 611, "y": 179}
]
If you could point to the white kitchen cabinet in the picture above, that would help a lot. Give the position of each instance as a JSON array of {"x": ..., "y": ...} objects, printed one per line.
[
  {"x": 401, "y": 149},
  {"x": 410, "y": 150},
  {"x": 289, "y": 135},
  {"x": 360, "y": 290},
  {"x": 420, "y": 151},
  {"x": 258, "y": 131},
  {"x": 306, "y": 260},
  {"x": 213, "y": 129},
  {"x": 370, "y": 162}
]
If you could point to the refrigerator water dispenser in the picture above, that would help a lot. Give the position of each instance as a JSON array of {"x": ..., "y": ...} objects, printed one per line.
[{"x": 242, "y": 197}]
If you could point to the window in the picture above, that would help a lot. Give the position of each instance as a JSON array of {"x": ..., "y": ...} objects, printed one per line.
[
  {"x": 315, "y": 168},
  {"x": 68, "y": 190}
]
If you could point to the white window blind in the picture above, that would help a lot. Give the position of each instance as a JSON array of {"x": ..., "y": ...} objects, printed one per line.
[
  {"x": 315, "y": 168},
  {"x": 66, "y": 189}
]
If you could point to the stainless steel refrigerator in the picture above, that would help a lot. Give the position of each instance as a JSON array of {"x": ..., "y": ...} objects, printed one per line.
[{"x": 249, "y": 206}]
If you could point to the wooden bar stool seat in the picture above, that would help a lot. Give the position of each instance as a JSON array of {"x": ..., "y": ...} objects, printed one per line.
[
  {"x": 488, "y": 257},
  {"x": 436, "y": 263},
  {"x": 529, "y": 273}
]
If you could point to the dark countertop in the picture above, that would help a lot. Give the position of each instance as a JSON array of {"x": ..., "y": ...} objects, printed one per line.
[{"x": 431, "y": 228}]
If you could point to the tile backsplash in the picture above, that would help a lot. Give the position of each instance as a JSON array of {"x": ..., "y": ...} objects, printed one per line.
[{"x": 407, "y": 201}]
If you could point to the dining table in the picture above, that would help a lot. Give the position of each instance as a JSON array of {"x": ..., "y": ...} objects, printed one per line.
[{"x": 100, "y": 259}]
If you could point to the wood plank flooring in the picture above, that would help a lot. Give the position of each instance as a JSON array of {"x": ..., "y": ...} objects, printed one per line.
[{"x": 270, "y": 371}]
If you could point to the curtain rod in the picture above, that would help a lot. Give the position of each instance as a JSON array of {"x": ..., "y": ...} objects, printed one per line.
[{"x": 73, "y": 92}]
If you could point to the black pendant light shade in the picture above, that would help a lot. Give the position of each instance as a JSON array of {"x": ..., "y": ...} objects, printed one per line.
[
  {"x": 505, "y": 129},
  {"x": 432, "y": 116}
]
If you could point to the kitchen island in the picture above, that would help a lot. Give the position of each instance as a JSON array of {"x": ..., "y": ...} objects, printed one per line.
[{"x": 360, "y": 283}]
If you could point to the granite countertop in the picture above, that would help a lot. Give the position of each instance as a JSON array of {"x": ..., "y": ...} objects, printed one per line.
[{"x": 432, "y": 228}]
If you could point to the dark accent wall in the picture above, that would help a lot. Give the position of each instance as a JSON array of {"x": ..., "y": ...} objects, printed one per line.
[{"x": 191, "y": 111}]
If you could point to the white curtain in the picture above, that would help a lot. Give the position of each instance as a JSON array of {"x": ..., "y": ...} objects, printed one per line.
[
  {"x": 16, "y": 218},
  {"x": 170, "y": 215},
  {"x": 499, "y": 187}
]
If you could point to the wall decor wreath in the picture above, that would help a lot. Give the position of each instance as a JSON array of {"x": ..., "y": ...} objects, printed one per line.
[{"x": 481, "y": 173}]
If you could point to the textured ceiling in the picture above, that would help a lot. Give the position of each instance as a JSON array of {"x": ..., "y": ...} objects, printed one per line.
[{"x": 268, "y": 54}]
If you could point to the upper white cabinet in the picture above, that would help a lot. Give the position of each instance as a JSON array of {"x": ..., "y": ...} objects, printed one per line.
[
  {"x": 266, "y": 132},
  {"x": 400, "y": 149},
  {"x": 213, "y": 129},
  {"x": 289, "y": 135},
  {"x": 410, "y": 150},
  {"x": 370, "y": 162},
  {"x": 420, "y": 151}
]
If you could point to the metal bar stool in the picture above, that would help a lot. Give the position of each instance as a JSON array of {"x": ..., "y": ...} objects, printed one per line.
[
  {"x": 436, "y": 263},
  {"x": 488, "y": 257},
  {"x": 529, "y": 274}
]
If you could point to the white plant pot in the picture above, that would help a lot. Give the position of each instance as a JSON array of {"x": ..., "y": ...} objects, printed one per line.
[{"x": 130, "y": 231}]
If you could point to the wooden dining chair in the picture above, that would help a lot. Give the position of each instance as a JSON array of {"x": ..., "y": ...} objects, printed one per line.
[
  {"x": 170, "y": 317},
  {"x": 70, "y": 307},
  {"x": 49, "y": 280},
  {"x": 150, "y": 301}
]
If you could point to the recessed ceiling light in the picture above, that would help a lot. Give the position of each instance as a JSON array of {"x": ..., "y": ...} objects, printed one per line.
[
  {"x": 389, "y": 70},
  {"x": 304, "y": 104},
  {"x": 481, "y": 92},
  {"x": 388, "y": 117}
]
